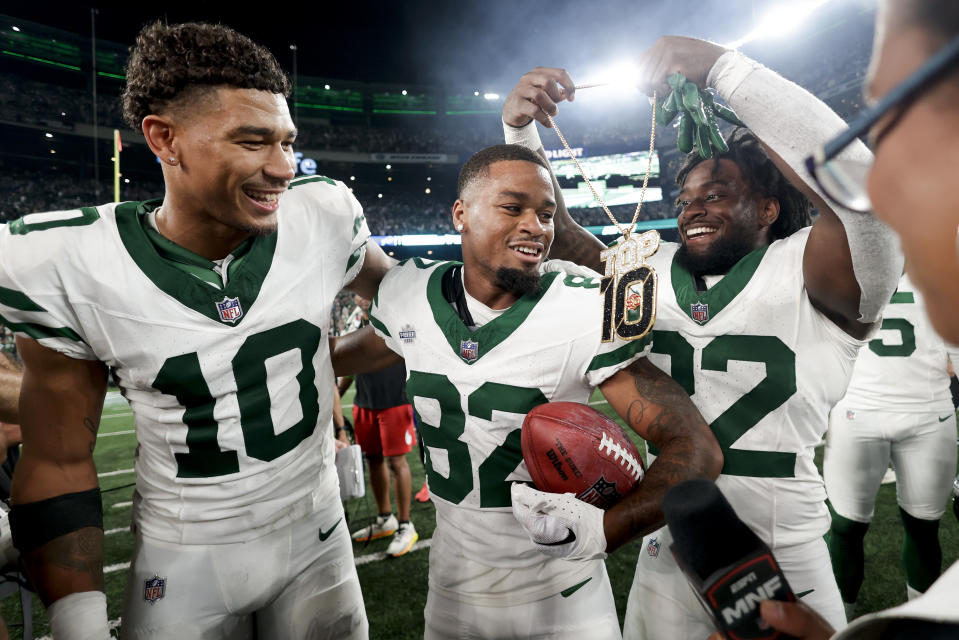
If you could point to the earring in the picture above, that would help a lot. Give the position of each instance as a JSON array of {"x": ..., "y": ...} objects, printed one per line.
[
  {"x": 173, "y": 160},
  {"x": 459, "y": 227}
]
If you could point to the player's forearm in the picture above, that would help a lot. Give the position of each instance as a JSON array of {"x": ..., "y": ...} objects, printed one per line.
[
  {"x": 360, "y": 351},
  {"x": 660, "y": 411}
]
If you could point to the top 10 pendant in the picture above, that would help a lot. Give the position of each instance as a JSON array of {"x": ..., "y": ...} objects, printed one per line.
[{"x": 629, "y": 287}]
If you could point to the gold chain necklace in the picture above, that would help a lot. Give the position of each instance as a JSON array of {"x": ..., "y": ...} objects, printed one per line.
[{"x": 628, "y": 285}]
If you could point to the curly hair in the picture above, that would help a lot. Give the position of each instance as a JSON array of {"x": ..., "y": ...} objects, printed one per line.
[
  {"x": 478, "y": 165},
  {"x": 172, "y": 62},
  {"x": 763, "y": 178}
]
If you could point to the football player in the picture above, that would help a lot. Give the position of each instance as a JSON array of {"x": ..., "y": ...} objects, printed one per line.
[
  {"x": 485, "y": 341},
  {"x": 759, "y": 315},
  {"x": 212, "y": 305},
  {"x": 898, "y": 407}
]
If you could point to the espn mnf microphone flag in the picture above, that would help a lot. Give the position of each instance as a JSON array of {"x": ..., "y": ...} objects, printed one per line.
[{"x": 729, "y": 567}]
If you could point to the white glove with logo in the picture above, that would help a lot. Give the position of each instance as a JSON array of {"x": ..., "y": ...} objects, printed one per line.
[{"x": 560, "y": 525}]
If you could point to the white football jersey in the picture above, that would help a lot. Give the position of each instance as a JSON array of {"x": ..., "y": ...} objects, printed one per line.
[
  {"x": 231, "y": 388},
  {"x": 471, "y": 391},
  {"x": 764, "y": 368},
  {"x": 904, "y": 367}
]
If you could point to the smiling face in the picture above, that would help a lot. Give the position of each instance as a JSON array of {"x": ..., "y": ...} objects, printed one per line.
[
  {"x": 916, "y": 151},
  {"x": 234, "y": 149},
  {"x": 721, "y": 219},
  {"x": 507, "y": 218}
]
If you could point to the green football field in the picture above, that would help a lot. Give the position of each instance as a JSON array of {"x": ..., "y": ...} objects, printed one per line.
[{"x": 395, "y": 589}]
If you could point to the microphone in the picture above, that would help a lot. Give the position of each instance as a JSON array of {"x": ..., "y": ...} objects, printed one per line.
[{"x": 729, "y": 567}]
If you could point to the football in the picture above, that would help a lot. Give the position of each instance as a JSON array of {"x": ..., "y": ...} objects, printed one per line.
[{"x": 570, "y": 448}]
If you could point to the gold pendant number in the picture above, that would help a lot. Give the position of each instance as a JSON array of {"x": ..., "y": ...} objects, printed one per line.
[{"x": 629, "y": 287}]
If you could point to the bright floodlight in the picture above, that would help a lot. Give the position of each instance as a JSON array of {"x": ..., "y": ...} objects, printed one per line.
[
  {"x": 491, "y": 96},
  {"x": 17, "y": 29},
  {"x": 404, "y": 92},
  {"x": 780, "y": 20},
  {"x": 327, "y": 87},
  {"x": 622, "y": 75},
  {"x": 49, "y": 135},
  {"x": 476, "y": 93}
]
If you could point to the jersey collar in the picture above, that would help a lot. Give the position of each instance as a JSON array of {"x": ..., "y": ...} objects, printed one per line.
[
  {"x": 470, "y": 346},
  {"x": 703, "y": 307},
  {"x": 164, "y": 265}
]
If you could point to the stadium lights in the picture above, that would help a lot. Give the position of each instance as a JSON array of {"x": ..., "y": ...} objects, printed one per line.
[
  {"x": 403, "y": 92},
  {"x": 126, "y": 180},
  {"x": 779, "y": 21},
  {"x": 379, "y": 195},
  {"x": 491, "y": 96},
  {"x": 327, "y": 87},
  {"x": 620, "y": 76},
  {"x": 388, "y": 167},
  {"x": 476, "y": 93},
  {"x": 428, "y": 179},
  {"x": 352, "y": 177},
  {"x": 427, "y": 190},
  {"x": 48, "y": 135},
  {"x": 17, "y": 29},
  {"x": 53, "y": 150}
]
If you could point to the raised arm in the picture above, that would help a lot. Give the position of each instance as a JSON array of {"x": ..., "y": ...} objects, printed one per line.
[
  {"x": 851, "y": 263},
  {"x": 57, "y": 518},
  {"x": 660, "y": 412},
  {"x": 539, "y": 91}
]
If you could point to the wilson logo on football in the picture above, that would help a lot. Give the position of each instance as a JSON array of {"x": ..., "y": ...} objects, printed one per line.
[{"x": 610, "y": 447}]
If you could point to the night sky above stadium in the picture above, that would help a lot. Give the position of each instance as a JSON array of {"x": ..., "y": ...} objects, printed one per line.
[{"x": 485, "y": 44}]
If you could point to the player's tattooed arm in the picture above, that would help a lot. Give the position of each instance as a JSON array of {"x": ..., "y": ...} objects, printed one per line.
[
  {"x": 360, "y": 351},
  {"x": 60, "y": 406},
  {"x": 536, "y": 94},
  {"x": 658, "y": 409}
]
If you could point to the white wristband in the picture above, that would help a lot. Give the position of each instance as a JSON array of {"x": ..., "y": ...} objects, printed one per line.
[
  {"x": 80, "y": 616},
  {"x": 526, "y": 136}
]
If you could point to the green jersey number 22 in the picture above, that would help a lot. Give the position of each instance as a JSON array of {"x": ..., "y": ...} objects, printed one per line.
[
  {"x": 754, "y": 405},
  {"x": 182, "y": 378}
]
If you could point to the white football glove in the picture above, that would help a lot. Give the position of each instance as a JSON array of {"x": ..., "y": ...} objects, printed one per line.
[{"x": 560, "y": 525}]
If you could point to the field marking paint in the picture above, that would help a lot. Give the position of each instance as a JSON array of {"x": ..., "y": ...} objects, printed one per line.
[
  {"x": 110, "y": 532},
  {"x": 116, "y": 433},
  {"x": 113, "y": 568},
  {"x": 120, "y": 505},
  {"x": 374, "y": 557},
  {"x": 119, "y": 472}
]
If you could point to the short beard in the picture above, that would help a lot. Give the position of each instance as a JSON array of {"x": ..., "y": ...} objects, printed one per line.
[
  {"x": 518, "y": 281},
  {"x": 257, "y": 230},
  {"x": 719, "y": 259}
]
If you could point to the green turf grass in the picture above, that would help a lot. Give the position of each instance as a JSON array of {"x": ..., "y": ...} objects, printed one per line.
[{"x": 395, "y": 589}]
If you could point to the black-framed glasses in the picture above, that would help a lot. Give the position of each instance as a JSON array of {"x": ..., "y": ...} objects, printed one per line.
[{"x": 843, "y": 180}]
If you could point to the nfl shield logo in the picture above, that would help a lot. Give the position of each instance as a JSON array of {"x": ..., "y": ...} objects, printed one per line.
[
  {"x": 229, "y": 309},
  {"x": 469, "y": 350},
  {"x": 699, "y": 312},
  {"x": 653, "y": 548},
  {"x": 850, "y": 414},
  {"x": 154, "y": 588}
]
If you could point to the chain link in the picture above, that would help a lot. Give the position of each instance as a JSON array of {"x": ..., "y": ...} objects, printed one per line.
[{"x": 625, "y": 231}]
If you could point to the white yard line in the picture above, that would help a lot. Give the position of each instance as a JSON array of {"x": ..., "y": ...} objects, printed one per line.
[
  {"x": 110, "y": 532},
  {"x": 113, "y": 568},
  {"x": 116, "y": 433},
  {"x": 374, "y": 557},
  {"x": 120, "y": 472},
  {"x": 120, "y": 505}
]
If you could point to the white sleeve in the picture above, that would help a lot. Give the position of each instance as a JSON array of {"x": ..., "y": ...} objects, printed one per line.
[
  {"x": 382, "y": 308},
  {"x": 33, "y": 302},
  {"x": 360, "y": 236},
  {"x": 794, "y": 123}
]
